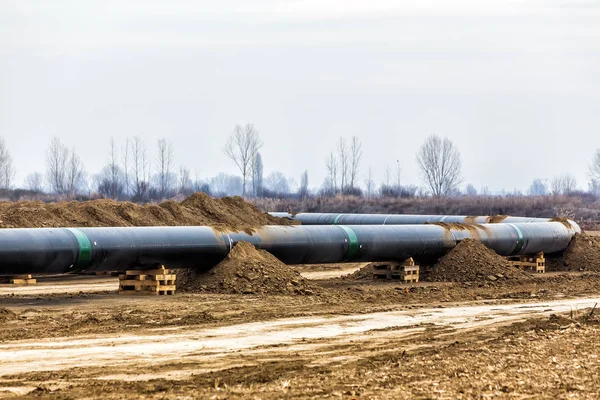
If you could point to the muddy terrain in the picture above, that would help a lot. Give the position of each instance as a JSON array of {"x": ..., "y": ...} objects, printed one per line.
[
  {"x": 473, "y": 327},
  {"x": 376, "y": 340}
]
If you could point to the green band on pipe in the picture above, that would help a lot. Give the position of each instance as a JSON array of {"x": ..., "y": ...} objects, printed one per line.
[
  {"x": 353, "y": 240},
  {"x": 85, "y": 248},
  {"x": 520, "y": 241},
  {"x": 337, "y": 217}
]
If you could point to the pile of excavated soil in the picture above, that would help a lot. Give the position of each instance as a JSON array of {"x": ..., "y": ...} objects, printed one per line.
[
  {"x": 472, "y": 261},
  {"x": 469, "y": 261},
  {"x": 231, "y": 213},
  {"x": 582, "y": 254},
  {"x": 247, "y": 270},
  {"x": 364, "y": 273}
]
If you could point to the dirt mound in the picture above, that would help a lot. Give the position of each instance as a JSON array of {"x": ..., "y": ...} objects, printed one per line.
[
  {"x": 228, "y": 213},
  {"x": 247, "y": 270},
  {"x": 364, "y": 273},
  {"x": 469, "y": 261},
  {"x": 472, "y": 261},
  {"x": 582, "y": 254}
]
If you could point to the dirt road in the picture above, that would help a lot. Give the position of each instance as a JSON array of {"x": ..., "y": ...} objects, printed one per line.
[
  {"x": 76, "y": 338},
  {"x": 210, "y": 349}
]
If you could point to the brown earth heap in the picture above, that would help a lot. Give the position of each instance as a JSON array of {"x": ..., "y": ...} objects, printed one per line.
[
  {"x": 364, "y": 273},
  {"x": 469, "y": 261},
  {"x": 228, "y": 213},
  {"x": 582, "y": 254},
  {"x": 247, "y": 270},
  {"x": 472, "y": 261}
]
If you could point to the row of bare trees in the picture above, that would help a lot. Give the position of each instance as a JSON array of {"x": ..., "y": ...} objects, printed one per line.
[
  {"x": 438, "y": 159},
  {"x": 130, "y": 172},
  {"x": 343, "y": 167},
  {"x": 64, "y": 170}
]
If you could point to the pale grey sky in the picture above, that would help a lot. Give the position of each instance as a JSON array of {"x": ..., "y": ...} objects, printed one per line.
[{"x": 515, "y": 84}]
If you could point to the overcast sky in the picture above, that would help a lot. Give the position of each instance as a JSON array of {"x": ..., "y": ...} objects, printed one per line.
[{"x": 515, "y": 84}]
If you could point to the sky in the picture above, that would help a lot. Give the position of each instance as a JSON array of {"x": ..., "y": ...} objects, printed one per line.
[{"x": 515, "y": 84}]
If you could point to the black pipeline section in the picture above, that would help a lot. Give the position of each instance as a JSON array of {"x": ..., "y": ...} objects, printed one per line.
[
  {"x": 403, "y": 219},
  {"x": 61, "y": 250}
]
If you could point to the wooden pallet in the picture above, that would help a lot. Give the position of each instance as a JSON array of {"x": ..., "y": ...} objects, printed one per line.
[
  {"x": 405, "y": 271},
  {"x": 535, "y": 263},
  {"x": 147, "y": 282},
  {"x": 18, "y": 280}
]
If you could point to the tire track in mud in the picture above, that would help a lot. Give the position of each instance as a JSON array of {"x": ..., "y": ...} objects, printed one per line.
[{"x": 234, "y": 345}]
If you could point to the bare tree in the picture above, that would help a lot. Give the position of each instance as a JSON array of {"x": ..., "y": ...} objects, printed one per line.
[
  {"x": 370, "y": 183},
  {"x": 57, "y": 158},
  {"x": 292, "y": 185},
  {"x": 7, "y": 168},
  {"x": 595, "y": 171},
  {"x": 344, "y": 165},
  {"x": 332, "y": 172},
  {"x": 241, "y": 147},
  {"x": 8, "y": 173},
  {"x": 226, "y": 185},
  {"x": 111, "y": 182},
  {"x": 388, "y": 174},
  {"x": 35, "y": 182},
  {"x": 595, "y": 166},
  {"x": 355, "y": 157},
  {"x": 198, "y": 182},
  {"x": 185, "y": 181},
  {"x": 594, "y": 187},
  {"x": 398, "y": 175},
  {"x": 470, "y": 190},
  {"x": 564, "y": 184},
  {"x": 277, "y": 183},
  {"x": 75, "y": 175},
  {"x": 440, "y": 164},
  {"x": 140, "y": 167},
  {"x": 125, "y": 165},
  {"x": 538, "y": 188},
  {"x": 557, "y": 185},
  {"x": 303, "y": 192},
  {"x": 164, "y": 167},
  {"x": 257, "y": 175}
]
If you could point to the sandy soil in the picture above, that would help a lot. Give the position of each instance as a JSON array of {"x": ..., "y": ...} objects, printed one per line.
[{"x": 363, "y": 340}]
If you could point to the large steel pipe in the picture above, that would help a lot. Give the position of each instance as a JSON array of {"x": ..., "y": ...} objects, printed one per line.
[
  {"x": 406, "y": 219},
  {"x": 26, "y": 251}
]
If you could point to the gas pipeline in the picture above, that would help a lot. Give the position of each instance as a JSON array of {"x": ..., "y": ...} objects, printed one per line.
[
  {"x": 407, "y": 219},
  {"x": 63, "y": 250}
]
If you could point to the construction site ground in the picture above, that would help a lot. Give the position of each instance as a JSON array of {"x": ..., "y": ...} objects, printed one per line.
[{"x": 75, "y": 337}]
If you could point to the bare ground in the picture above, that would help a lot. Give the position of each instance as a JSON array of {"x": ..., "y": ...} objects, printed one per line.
[{"x": 361, "y": 340}]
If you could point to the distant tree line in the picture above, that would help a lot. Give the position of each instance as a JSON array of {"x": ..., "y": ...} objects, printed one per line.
[{"x": 133, "y": 172}]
